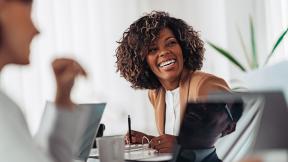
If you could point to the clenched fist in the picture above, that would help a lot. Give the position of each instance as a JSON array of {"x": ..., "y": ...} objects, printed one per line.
[{"x": 66, "y": 70}]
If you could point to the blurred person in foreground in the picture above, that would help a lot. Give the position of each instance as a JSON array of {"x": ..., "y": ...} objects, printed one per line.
[
  {"x": 16, "y": 143},
  {"x": 164, "y": 55}
]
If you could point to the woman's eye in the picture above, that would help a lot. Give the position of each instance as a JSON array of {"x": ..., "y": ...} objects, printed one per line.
[
  {"x": 152, "y": 50},
  {"x": 171, "y": 42}
]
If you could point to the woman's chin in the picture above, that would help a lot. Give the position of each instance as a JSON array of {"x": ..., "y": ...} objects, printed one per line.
[
  {"x": 172, "y": 76},
  {"x": 23, "y": 62},
  {"x": 26, "y": 63}
]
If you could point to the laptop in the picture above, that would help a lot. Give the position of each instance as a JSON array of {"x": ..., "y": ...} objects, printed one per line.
[
  {"x": 202, "y": 123},
  {"x": 90, "y": 129},
  {"x": 263, "y": 125},
  {"x": 88, "y": 121},
  {"x": 272, "y": 128}
]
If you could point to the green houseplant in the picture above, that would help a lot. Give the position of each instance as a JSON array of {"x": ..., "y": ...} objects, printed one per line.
[{"x": 251, "y": 57}]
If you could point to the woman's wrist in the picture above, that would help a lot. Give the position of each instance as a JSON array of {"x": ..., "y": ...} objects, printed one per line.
[
  {"x": 65, "y": 101},
  {"x": 150, "y": 137}
]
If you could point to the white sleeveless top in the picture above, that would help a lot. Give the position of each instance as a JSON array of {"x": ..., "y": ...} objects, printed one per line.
[{"x": 172, "y": 118}]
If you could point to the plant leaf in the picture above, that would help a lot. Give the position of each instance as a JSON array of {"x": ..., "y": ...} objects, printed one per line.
[
  {"x": 227, "y": 55},
  {"x": 247, "y": 56},
  {"x": 279, "y": 40},
  {"x": 253, "y": 44}
]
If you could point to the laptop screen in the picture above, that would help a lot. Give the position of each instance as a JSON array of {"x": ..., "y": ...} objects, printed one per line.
[
  {"x": 203, "y": 123},
  {"x": 90, "y": 129},
  {"x": 89, "y": 116},
  {"x": 262, "y": 126}
]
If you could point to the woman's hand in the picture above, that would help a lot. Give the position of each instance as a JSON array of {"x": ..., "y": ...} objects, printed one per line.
[
  {"x": 164, "y": 143},
  {"x": 65, "y": 70},
  {"x": 137, "y": 137}
]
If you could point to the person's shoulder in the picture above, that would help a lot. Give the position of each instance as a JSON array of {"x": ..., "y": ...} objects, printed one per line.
[
  {"x": 205, "y": 83},
  {"x": 202, "y": 75},
  {"x": 7, "y": 105},
  {"x": 206, "y": 78}
]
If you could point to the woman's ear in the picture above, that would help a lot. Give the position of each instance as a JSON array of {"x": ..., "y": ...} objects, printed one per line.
[{"x": 229, "y": 129}]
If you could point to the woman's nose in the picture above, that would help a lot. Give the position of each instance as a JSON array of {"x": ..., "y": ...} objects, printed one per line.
[
  {"x": 163, "y": 53},
  {"x": 36, "y": 31}
]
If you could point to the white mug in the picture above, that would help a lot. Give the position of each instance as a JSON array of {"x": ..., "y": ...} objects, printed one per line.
[{"x": 111, "y": 148}]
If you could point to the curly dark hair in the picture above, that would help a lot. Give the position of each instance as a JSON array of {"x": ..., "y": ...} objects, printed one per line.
[{"x": 133, "y": 49}]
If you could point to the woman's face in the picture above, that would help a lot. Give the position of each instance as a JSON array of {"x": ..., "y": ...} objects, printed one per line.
[
  {"x": 17, "y": 31},
  {"x": 165, "y": 59}
]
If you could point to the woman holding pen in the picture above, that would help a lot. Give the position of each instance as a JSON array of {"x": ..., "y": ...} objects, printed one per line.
[{"x": 164, "y": 54}]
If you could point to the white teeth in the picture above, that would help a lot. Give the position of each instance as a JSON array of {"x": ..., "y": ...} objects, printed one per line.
[{"x": 166, "y": 63}]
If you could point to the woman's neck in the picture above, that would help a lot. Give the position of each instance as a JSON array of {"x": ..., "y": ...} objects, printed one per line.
[
  {"x": 173, "y": 84},
  {"x": 170, "y": 84}
]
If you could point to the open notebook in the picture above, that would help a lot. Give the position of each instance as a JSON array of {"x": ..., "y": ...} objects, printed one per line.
[
  {"x": 144, "y": 153},
  {"x": 138, "y": 152}
]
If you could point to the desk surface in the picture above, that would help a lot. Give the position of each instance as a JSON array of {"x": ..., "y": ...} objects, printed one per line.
[
  {"x": 93, "y": 160},
  {"x": 97, "y": 160},
  {"x": 137, "y": 155}
]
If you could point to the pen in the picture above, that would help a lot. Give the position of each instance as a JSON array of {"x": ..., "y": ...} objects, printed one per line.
[{"x": 129, "y": 129}]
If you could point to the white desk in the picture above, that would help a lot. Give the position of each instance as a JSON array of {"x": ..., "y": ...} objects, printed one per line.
[
  {"x": 93, "y": 160},
  {"x": 137, "y": 156}
]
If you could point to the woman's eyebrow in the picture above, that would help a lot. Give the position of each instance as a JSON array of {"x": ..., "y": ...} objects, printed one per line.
[
  {"x": 153, "y": 44},
  {"x": 170, "y": 37}
]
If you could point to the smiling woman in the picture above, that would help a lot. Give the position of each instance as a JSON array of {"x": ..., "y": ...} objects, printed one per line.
[{"x": 163, "y": 54}]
